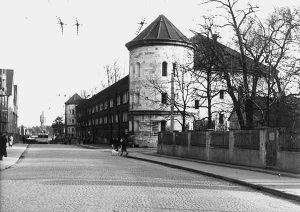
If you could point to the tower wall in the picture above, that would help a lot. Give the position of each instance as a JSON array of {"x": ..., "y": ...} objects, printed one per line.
[{"x": 145, "y": 74}]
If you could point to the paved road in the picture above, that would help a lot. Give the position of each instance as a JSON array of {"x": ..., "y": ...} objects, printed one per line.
[{"x": 70, "y": 178}]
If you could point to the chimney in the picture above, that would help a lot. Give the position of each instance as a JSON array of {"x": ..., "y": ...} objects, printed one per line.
[{"x": 215, "y": 37}]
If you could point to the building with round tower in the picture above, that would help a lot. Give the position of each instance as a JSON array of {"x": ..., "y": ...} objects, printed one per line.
[{"x": 153, "y": 56}]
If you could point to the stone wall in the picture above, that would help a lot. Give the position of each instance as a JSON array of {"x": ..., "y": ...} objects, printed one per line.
[{"x": 257, "y": 148}]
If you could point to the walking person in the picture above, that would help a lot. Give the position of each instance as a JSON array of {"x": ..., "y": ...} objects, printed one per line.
[
  {"x": 123, "y": 145},
  {"x": 3, "y": 143},
  {"x": 11, "y": 141}
]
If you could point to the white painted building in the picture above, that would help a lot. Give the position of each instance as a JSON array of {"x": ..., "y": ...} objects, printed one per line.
[
  {"x": 70, "y": 115},
  {"x": 153, "y": 53}
]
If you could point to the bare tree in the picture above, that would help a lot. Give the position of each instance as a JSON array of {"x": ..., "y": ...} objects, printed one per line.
[
  {"x": 112, "y": 74},
  {"x": 184, "y": 92},
  {"x": 208, "y": 79},
  {"x": 255, "y": 41}
]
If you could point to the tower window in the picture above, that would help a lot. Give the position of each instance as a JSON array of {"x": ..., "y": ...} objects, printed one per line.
[
  {"x": 164, "y": 68},
  {"x": 221, "y": 118},
  {"x": 222, "y": 94},
  {"x": 163, "y": 125},
  {"x": 164, "y": 98},
  {"x": 138, "y": 67},
  {"x": 196, "y": 104}
]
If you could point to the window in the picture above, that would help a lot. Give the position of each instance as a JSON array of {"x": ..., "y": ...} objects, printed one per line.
[
  {"x": 164, "y": 69},
  {"x": 174, "y": 69},
  {"x": 111, "y": 103},
  {"x": 163, "y": 125},
  {"x": 196, "y": 104},
  {"x": 138, "y": 67},
  {"x": 101, "y": 107},
  {"x": 73, "y": 129},
  {"x": 137, "y": 98},
  {"x": 100, "y": 120},
  {"x": 164, "y": 98},
  {"x": 133, "y": 70},
  {"x": 111, "y": 118},
  {"x": 125, "y": 97},
  {"x": 222, "y": 94},
  {"x": 105, "y": 105},
  {"x": 118, "y": 100},
  {"x": 136, "y": 125},
  {"x": 124, "y": 116},
  {"x": 73, "y": 111},
  {"x": 221, "y": 118},
  {"x": 105, "y": 120},
  {"x": 72, "y": 121}
]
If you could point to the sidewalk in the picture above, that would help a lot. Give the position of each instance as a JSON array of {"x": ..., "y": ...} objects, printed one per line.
[
  {"x": 13, "y": 155},
  {"x": 286, "y": 185}
]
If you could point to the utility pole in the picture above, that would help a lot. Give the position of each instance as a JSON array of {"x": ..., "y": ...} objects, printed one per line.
[{"x": 172, "y": 97}]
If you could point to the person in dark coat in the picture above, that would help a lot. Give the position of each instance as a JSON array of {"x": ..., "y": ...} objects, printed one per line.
[
  {"x": 3, "y": 142},
  {"x": 123, "y": 146}
]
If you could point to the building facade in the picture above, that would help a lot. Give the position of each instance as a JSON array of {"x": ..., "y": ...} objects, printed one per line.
[
  {"x": 104, "y": 117},
  {"x": 70, "y": 115},
  {"x": 8, "y": 102}
]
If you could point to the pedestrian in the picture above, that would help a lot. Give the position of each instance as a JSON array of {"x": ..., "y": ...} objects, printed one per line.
[
  {"x": 3, "y": 143},
  {"x": 11, "y": 141},
  {"x": 123, "y": 146}
]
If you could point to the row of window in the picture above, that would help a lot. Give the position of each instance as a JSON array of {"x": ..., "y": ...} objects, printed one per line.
[
  {"x": 136, "y": 69},
  {"x": 113, "y": 118},
  {"x": 222, "y": 92},
  {"x": 108, "y": 103}
]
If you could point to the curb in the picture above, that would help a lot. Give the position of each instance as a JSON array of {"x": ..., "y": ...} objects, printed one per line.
[
  {"x": 240, "y": 182},
  {"x": 233, "y": 166}
]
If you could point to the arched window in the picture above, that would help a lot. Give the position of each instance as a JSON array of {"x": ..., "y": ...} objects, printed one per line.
[
  {"x": 138, "y": 67},
  {"x": 132, "y": 70},
  {"x": 164, "y": 69}
]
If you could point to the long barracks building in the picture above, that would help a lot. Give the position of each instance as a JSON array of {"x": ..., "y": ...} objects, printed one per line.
[{"x": 130, "y": 106}]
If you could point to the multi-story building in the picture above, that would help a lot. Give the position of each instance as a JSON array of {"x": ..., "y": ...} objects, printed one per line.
[
  {"x": 70, "y": 115},
  {"x": 8, "y": 102},
  {"x": 104, "y": 117}
]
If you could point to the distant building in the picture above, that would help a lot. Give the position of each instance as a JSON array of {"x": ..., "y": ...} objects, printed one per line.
[
  {"x": 8, "y": 102},
  {"x": 70, "y": 115}
]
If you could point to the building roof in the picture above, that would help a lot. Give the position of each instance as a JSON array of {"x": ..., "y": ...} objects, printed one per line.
[
  {"x": 75, "y": 99},
  {"x": 160, "y": 32}
]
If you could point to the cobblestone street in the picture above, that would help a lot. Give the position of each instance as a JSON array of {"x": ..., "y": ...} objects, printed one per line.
[{"x": 71, "y": 178}]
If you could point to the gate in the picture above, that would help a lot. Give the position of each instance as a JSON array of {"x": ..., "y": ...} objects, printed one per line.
[{"x": 271, "y": 148}]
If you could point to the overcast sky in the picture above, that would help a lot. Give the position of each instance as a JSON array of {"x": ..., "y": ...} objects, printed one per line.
[{"x": 51, "y": 66}]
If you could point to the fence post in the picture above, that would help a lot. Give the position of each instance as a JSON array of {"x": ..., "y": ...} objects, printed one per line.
[
  {"x": 189, "y": 143},
  {"x": 207, "y": 141},
  {"x": 262, "y": 145},
  {"x": 231, "y": 145}
]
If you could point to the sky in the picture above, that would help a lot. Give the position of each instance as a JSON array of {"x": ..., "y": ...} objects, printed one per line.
[{"x": 50, "y": 66}]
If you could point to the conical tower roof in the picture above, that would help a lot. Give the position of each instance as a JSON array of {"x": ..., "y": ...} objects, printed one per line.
[
  {"x": 160, "y": 32},
  {"x": 75, "y": 99}
]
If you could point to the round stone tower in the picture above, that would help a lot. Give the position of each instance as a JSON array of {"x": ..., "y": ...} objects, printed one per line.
[{"x": 153, "y": 55}]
